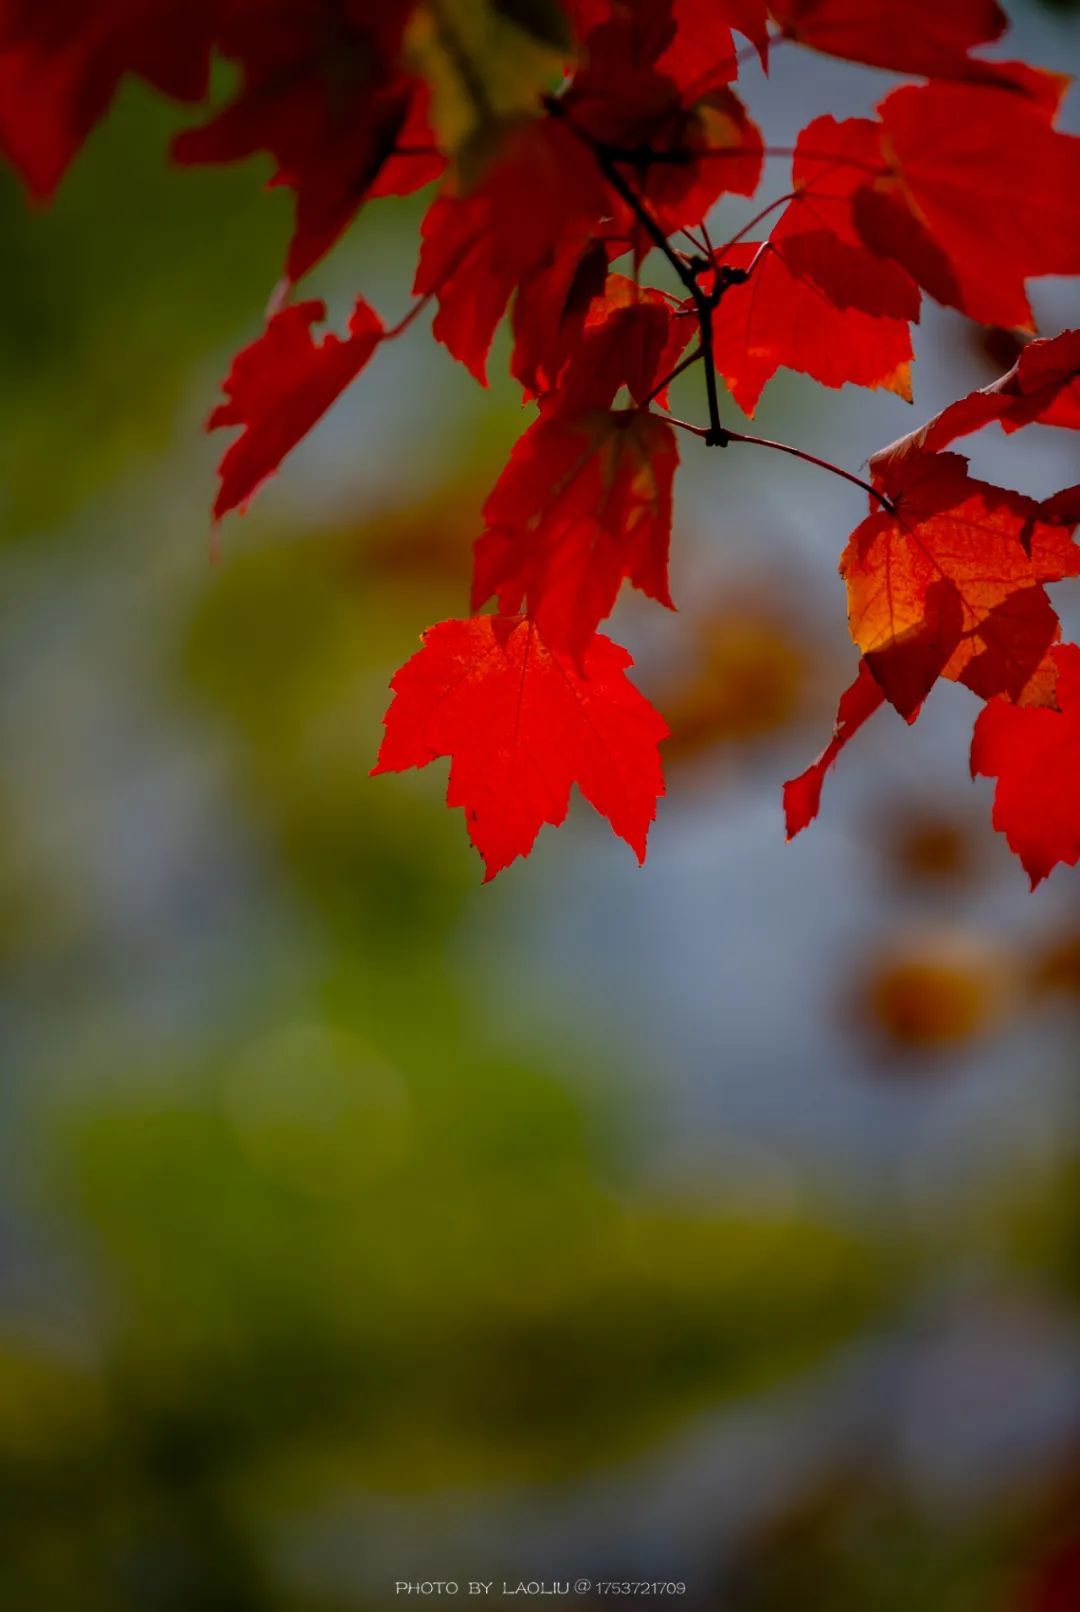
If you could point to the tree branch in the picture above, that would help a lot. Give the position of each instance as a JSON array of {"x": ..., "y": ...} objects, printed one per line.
[{"x": 703, "y": 304}]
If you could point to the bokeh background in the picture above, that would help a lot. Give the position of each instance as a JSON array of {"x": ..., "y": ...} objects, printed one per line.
[{"x": 716, "y": 1223}]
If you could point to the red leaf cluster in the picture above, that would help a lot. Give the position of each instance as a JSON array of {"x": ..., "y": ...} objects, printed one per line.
[{"x": 576, "y": 207}]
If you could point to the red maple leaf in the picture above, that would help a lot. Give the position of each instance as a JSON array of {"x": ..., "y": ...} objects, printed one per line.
[
  {"x": 949, "y": 584},
  {"x": 655, "y": 82},
  {"x": 584, "y": 503},
  {"x": 639, "y": 60},
  {"x": 925, "y": 37},
  {"x": 833, "y": 162},
  {"x": 683, "y": 29},
  {"x": 535, "y": 215},
  {"x": 61, "y": 62},
  {"x": 982, "y": 193},
  {"x": 782, "y": 317},
  {"x": 323, "y": 91},
  {"x": 625, "y": 339},
  {"x": 802, "y": 795},
  {"x": 521, "y": 726},
  {"x": 1035, "y": 757},
  {"x": 280, "y": 386},
  {"x": 1042, "y": 387},
  {"x": 961, "y": 187},
  {"x": 550, "y": 312}
]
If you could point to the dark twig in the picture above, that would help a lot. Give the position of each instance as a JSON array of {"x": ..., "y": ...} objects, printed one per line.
[
  {"x": 703, "y": 304},
  {"x": 661, "y": 386}
]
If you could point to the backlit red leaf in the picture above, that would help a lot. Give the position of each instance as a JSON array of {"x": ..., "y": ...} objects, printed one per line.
[
  {"x": 906, "y": 36},
  {"x": 584, "y": 503},
  {"x": 1043, "y": 386},
  {"x": 61, "y": 62},
  {"x": 538, "y": 207},
  {"x": 950, "y": 585},
  {"x": 983, "y": 194},
  {"x": 280, "y": 386},
  {"x": 322, "y": 91},
  {"x": 1035, "y": 757},
  {"x": 626, "y": 339},
  {"x": 924, "y": 37},
  {"x": 521, "y": 726},
  {"x": 802, "y": 795},
  {"x": 645, "y": 86},
  {"x": 782, "y": 318},
  {"x": 833, "y": 162}
]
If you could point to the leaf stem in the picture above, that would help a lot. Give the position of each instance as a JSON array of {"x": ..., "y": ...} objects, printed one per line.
[
  {"x": 693, "y": 358},
  {"x": 812, "y": 459},
  {"x": 406, "y": 320},
  {"x": 757, "y": 219}
]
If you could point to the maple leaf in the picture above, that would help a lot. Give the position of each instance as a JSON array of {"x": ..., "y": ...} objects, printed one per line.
[
  {"x": 584, "y": 503},
  {"x": 323, "y": 91},
  {"x": 982, "y": 193},
  {"x": 721, "y": 154},
  {"x": 782, "y": 318},
  {"x": 701, "y": 52},
  {"x": 694, "y": 155},
  {"x": 950, "y": 584},
  {"x": 833, "y": 162},
  {"x": 749, "y": 18},
  {"x": 625, "y": 339},
  {"x": 655, "y": 83},
  {"x": 1035, "y": 756},
  {"x": 532, "y": 219},
  {"x": 802, "y": 795},
  {"x": 579, "y": 131},
  {"x": 924, "y": 37},
  {"x": 521, "y": 725},
  {"x": 687, "y": 39},
  {"x": 653, "y": 54},
  {"x": 1043, "y": 386},
  {"x": 61, "y": 62},
  {"x": 550, "y": 311},
  {"x": 280, "y": 386}
]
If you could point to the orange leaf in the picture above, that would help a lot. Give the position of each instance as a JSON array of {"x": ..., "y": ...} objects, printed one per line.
[{"x": 951, "y": 584}]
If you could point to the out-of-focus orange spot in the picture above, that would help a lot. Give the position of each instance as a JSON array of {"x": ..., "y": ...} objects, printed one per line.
[
  {"x": 747, "y": 681},
  {"x": 1055, "y": 967},
  {"x": 934, "y": 994},
  {"x": 930, "y": 849},
  {"x": 428, "y": 541}
]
